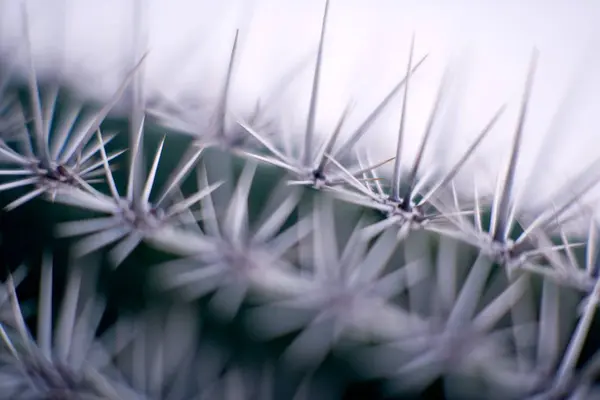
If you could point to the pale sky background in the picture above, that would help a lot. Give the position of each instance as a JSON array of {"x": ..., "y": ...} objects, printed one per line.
[{"x": 366, "y": 53}]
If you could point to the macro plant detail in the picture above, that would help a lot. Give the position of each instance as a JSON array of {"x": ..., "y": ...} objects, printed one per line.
[
  {"x": 63, "y": 360},
  {"x": 304, "y": 238}
]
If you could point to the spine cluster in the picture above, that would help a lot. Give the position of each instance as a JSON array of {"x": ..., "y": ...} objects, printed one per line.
[{"x": 338, "y": 251}]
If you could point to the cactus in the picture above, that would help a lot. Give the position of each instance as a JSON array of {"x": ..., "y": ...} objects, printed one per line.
[{"x": 308, "y": 245}]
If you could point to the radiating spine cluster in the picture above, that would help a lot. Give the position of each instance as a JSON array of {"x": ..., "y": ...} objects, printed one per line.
[{"x": 468, "y": 311}]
